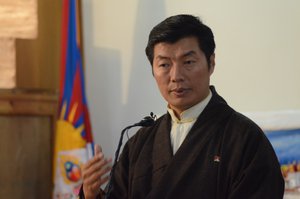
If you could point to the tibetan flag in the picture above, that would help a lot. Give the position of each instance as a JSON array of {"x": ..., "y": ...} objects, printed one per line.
[{"x": 73, "y": 139}]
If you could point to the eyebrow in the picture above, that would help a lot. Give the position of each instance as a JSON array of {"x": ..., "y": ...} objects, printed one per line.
[
  {"x": 189, "y": 53},
  {"x": 161, "y": 57}
]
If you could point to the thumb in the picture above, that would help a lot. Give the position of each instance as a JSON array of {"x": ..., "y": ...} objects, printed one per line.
[{"x": 97, "y": 149}]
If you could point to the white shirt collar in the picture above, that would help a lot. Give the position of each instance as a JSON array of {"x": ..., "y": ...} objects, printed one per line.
[{"x": 192, "y": 113}]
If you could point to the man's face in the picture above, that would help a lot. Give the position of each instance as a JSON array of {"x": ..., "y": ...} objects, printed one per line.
[{"x": 181, "y": 72}]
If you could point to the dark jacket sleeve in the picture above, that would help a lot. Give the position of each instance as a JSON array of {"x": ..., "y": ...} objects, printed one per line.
[
  {"x": 119, "y": 187},
  {"x": 257, "y": 170},
  {"x": 125, "y": 167}
]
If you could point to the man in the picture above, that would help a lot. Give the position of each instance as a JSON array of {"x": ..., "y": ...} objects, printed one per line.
[{"x": 201, "y": 148}]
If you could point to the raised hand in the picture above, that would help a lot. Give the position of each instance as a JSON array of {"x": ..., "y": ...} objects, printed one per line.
[{"x": 95, "y": 173}]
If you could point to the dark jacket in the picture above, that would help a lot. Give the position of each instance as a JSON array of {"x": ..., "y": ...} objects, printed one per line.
[{"x": 224, "y": 156}]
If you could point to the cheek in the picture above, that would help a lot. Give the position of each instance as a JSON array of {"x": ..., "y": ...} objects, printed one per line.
[
  {"x": 200, "y": 79},
  {"x": 159, "y": 76},
  {"x": 162, "y": 84}
]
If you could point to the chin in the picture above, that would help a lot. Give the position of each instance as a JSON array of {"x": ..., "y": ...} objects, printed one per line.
[{"x": 181, "y": 106}]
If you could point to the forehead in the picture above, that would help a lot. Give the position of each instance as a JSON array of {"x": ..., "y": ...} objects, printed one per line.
[
  {"x": 183, "y": 43},
  {"x": 177, "y": 49}
]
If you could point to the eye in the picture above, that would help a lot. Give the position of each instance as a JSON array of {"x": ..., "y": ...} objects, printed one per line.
[
  {"x": 189, "y": 62},
  {"x": 164, "y": 65}
]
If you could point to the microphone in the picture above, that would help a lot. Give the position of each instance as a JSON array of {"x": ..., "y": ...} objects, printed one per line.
[{"x": 145, "y": 122}]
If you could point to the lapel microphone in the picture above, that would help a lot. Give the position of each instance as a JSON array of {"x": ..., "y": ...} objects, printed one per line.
[{"x": 145, "y": 122}]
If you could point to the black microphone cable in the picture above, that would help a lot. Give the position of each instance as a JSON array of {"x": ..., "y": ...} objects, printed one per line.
[{"x": 145, "y": 122}]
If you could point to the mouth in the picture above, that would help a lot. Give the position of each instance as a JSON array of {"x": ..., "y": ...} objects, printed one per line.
[{"x": 179, "y": 92}]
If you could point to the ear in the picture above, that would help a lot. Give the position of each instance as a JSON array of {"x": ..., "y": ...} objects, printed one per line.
[{"x": 212, "y": 63}]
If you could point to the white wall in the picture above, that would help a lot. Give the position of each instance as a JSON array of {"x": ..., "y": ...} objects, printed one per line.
[{"x": 257, "y": 56}]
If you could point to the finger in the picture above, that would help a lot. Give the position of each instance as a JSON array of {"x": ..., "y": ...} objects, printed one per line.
[
  {"x": 97, "y": 158},
  {"x": 101, "y": 177},
  {"x": 100, "y": 181},
  {"x": 98, "y": 164},
  {"x": 94, "y": 185},
  {"x": 97, "y": 169},
  {"x": 105, "y": 170},
  {"x": 104, "y": 180},
  {"x": 97, "y": 149},
  {"x": 91, "y": 189}
]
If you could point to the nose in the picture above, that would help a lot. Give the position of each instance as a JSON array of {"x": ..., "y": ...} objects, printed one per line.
[{"x": 176, "y": 73}]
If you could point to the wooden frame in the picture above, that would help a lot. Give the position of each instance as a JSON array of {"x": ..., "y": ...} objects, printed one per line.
[{"x": 27, "y": 123}]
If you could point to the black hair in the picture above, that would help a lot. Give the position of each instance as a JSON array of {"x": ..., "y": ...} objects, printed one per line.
[{"x": 177, "y": 27}]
